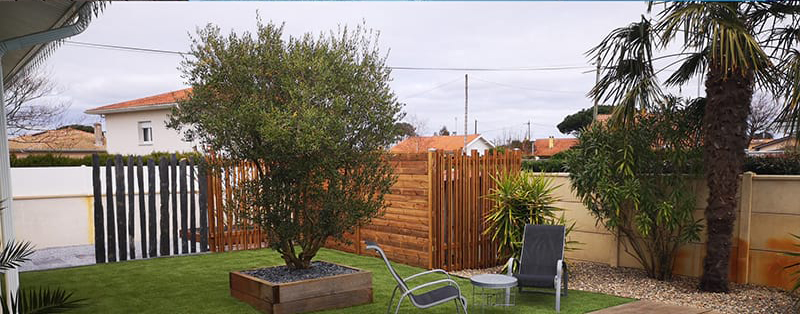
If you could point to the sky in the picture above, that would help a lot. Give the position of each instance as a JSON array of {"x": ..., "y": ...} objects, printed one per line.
[{"x": 414, "y": 34}]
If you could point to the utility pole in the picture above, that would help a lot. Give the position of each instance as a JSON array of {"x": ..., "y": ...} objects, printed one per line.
[
  {"x": 528, "y": 137},
  {"x": 596, "y": 97},
  {"x": 466, "y": 104},
  {"x": 476, "y": 126}
]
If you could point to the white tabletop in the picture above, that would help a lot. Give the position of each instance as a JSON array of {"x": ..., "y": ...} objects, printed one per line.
[{"x": 494, "y": 281}]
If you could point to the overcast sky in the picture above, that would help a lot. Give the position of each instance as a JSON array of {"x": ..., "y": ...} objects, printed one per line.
[{"x": 419, "y": 34}]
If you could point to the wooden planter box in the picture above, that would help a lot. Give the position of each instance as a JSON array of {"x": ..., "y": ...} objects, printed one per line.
[{"x": 303, "y": 296}]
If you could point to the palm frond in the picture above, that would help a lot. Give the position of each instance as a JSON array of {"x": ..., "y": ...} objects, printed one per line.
[
  {"x": 14, "y": 254},
  {"x": 40, "y": 301},
  {"x": 789, "y": 118},
  {"x": 694, "y": 64},
  {"x": 628, "y": 79}
]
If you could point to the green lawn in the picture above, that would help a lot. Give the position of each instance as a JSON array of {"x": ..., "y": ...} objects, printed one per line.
[{"x": 199, "y": 284}]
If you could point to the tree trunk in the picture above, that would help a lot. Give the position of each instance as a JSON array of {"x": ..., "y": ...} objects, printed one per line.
[{"x": 725, "y": 123}]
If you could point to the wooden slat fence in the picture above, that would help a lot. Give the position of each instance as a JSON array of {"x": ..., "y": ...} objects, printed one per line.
[
  {"x": 433, "y": 219},
  {"x": 459, "y": 185},
  {"x": 127, "y": 197},
  {"x": 228, "y": 231}
]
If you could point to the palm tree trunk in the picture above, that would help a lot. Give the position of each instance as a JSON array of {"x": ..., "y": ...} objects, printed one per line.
[{"x": 725, "y": 123}]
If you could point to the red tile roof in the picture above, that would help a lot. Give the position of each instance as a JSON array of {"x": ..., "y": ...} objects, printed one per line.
[
  {"x": 142, "y": 103},
  {"x": 419, "y": 144},
  {"x": 541, "y": 147}
]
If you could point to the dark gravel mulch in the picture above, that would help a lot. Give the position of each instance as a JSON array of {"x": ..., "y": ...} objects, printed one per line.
[{"x": 282, "y": 274}]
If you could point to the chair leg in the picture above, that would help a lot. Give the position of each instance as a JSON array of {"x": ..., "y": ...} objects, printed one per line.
[
  {"x": 389, "y": 308},
  {"x": 463, "y": 303},
  {"x": 558, "y": 295},
  {"x": 566, "y": 281},
  {"x": 399, "y": 302}
]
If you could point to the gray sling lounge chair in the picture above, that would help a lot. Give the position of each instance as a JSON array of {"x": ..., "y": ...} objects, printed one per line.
[
  {"x": 541, "y": 263},
  {"x": 441, "y": 295}
]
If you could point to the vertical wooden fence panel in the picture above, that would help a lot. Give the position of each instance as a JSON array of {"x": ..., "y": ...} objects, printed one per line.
[
  {"x": 151, "y": 208},
  {"x": 163, "y": 170},
  {"x": 111, "y": 223},
  {"x": 122, "y": 230},
  {"x": 192, "y": 213},
  {"x": 131, "y": 211},
  {"x": 142, "y": 207},
  {"x": 184, "y": 233},
  {"x": 115, "y": 225},
  {"x": 99, "y": 236},
  {"x": 174, "y": 180},
  {"x": 202, "y": 185}
]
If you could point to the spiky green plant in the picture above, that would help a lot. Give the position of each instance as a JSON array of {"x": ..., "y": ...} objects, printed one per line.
[
  {"x": 520, "y": 199},
  {"x": 40, "y": 300}
]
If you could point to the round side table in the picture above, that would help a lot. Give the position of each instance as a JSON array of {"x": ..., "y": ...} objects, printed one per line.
[{"x": 493, "y": 290}]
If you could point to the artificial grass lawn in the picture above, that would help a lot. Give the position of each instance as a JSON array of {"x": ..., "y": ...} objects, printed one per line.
[{"x": 199, "y": 284}]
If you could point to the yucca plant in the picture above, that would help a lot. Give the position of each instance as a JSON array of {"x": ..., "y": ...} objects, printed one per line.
[{"x": 520, "y": 199}]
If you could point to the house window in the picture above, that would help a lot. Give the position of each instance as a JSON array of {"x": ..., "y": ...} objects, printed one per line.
[{"x": 145, "y": 132}]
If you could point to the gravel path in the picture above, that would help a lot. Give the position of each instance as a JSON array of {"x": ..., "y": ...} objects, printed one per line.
[{"x": 633, "y": 283}]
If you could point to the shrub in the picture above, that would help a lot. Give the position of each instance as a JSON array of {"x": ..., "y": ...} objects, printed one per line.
[
  {"x": 311, "y": 113},
  {"x": 635, "y": 180},
  {"x": 520, "y": 199}
]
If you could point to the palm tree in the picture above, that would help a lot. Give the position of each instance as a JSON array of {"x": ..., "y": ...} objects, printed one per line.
[{"x": 738, "y": 47}]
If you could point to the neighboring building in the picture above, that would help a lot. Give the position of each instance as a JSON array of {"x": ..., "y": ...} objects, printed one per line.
[
  {"x": 138, "y": 126},
  {"x": 67, "y": 142},
  {"x": 776, "y": 146},
  {"x": 547, "y": 147},
  {"x": 420, "y": 144}
]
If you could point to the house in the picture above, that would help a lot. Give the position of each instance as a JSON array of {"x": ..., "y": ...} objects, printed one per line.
[
  {"x": 67, "y": 142},
  {"x": 420, "y": 144},
  {"x": 775, "y": 146},
  {"x": 138, "y": 127},
  {"x": 547, "y": 147}
]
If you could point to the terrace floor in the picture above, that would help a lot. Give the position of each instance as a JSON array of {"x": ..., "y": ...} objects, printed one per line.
[{"x": 199, "y": 284}]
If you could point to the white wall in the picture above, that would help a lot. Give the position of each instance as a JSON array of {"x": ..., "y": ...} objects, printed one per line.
[
  {"x": 54, "y": 206},
  {"x": 480, "y": 145},
  {"x": 122, "y": 133}
]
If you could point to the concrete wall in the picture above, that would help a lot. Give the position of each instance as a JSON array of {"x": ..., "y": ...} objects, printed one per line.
[
  {"x": 767, "y": 214},
  {"x": 122, "y": 133}
]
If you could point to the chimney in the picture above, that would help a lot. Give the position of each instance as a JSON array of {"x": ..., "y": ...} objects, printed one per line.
[
  {"x": 98, "y": 135},
  {"x": 551, "y": 142}
]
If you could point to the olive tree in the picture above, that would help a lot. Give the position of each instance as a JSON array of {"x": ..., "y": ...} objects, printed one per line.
[{"x": 312, "y": 113}]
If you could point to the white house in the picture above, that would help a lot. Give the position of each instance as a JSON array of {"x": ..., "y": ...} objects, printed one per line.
[
  {"x": 138, "y": 126},
  {"x": 419, "y": 144}
]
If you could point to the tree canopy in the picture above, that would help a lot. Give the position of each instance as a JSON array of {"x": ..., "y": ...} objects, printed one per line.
[
  {"x": 312, "y": 113},
  {"x": 572, "y": 124}
]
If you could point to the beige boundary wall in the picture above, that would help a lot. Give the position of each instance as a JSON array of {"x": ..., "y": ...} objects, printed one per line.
[{"x": 767, "y": 215}]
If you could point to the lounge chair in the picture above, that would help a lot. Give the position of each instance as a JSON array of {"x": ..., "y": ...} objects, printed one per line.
[
  {"x": 441, "y": 295},
  {"x": 541, "y": 263}
]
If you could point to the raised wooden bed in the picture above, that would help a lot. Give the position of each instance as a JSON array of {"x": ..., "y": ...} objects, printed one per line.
[{"x": 303, "y": 296}]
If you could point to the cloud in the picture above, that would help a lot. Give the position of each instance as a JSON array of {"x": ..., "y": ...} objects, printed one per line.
[{"x": 496, "y": 34}]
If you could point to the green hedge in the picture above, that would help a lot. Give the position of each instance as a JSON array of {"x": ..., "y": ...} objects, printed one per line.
[
  {"x": 50, "y": 160},
  {"x": 788, "y": 164},
  {"x": 777, "y": 164}
]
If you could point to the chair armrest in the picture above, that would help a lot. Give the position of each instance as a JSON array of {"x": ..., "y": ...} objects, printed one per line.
[
  {"x": 437, "y": 282},
  {"x": 510, "y": 266},
  {"x": 433, "y": 271},
  {"x": 559, "y": 268}
]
